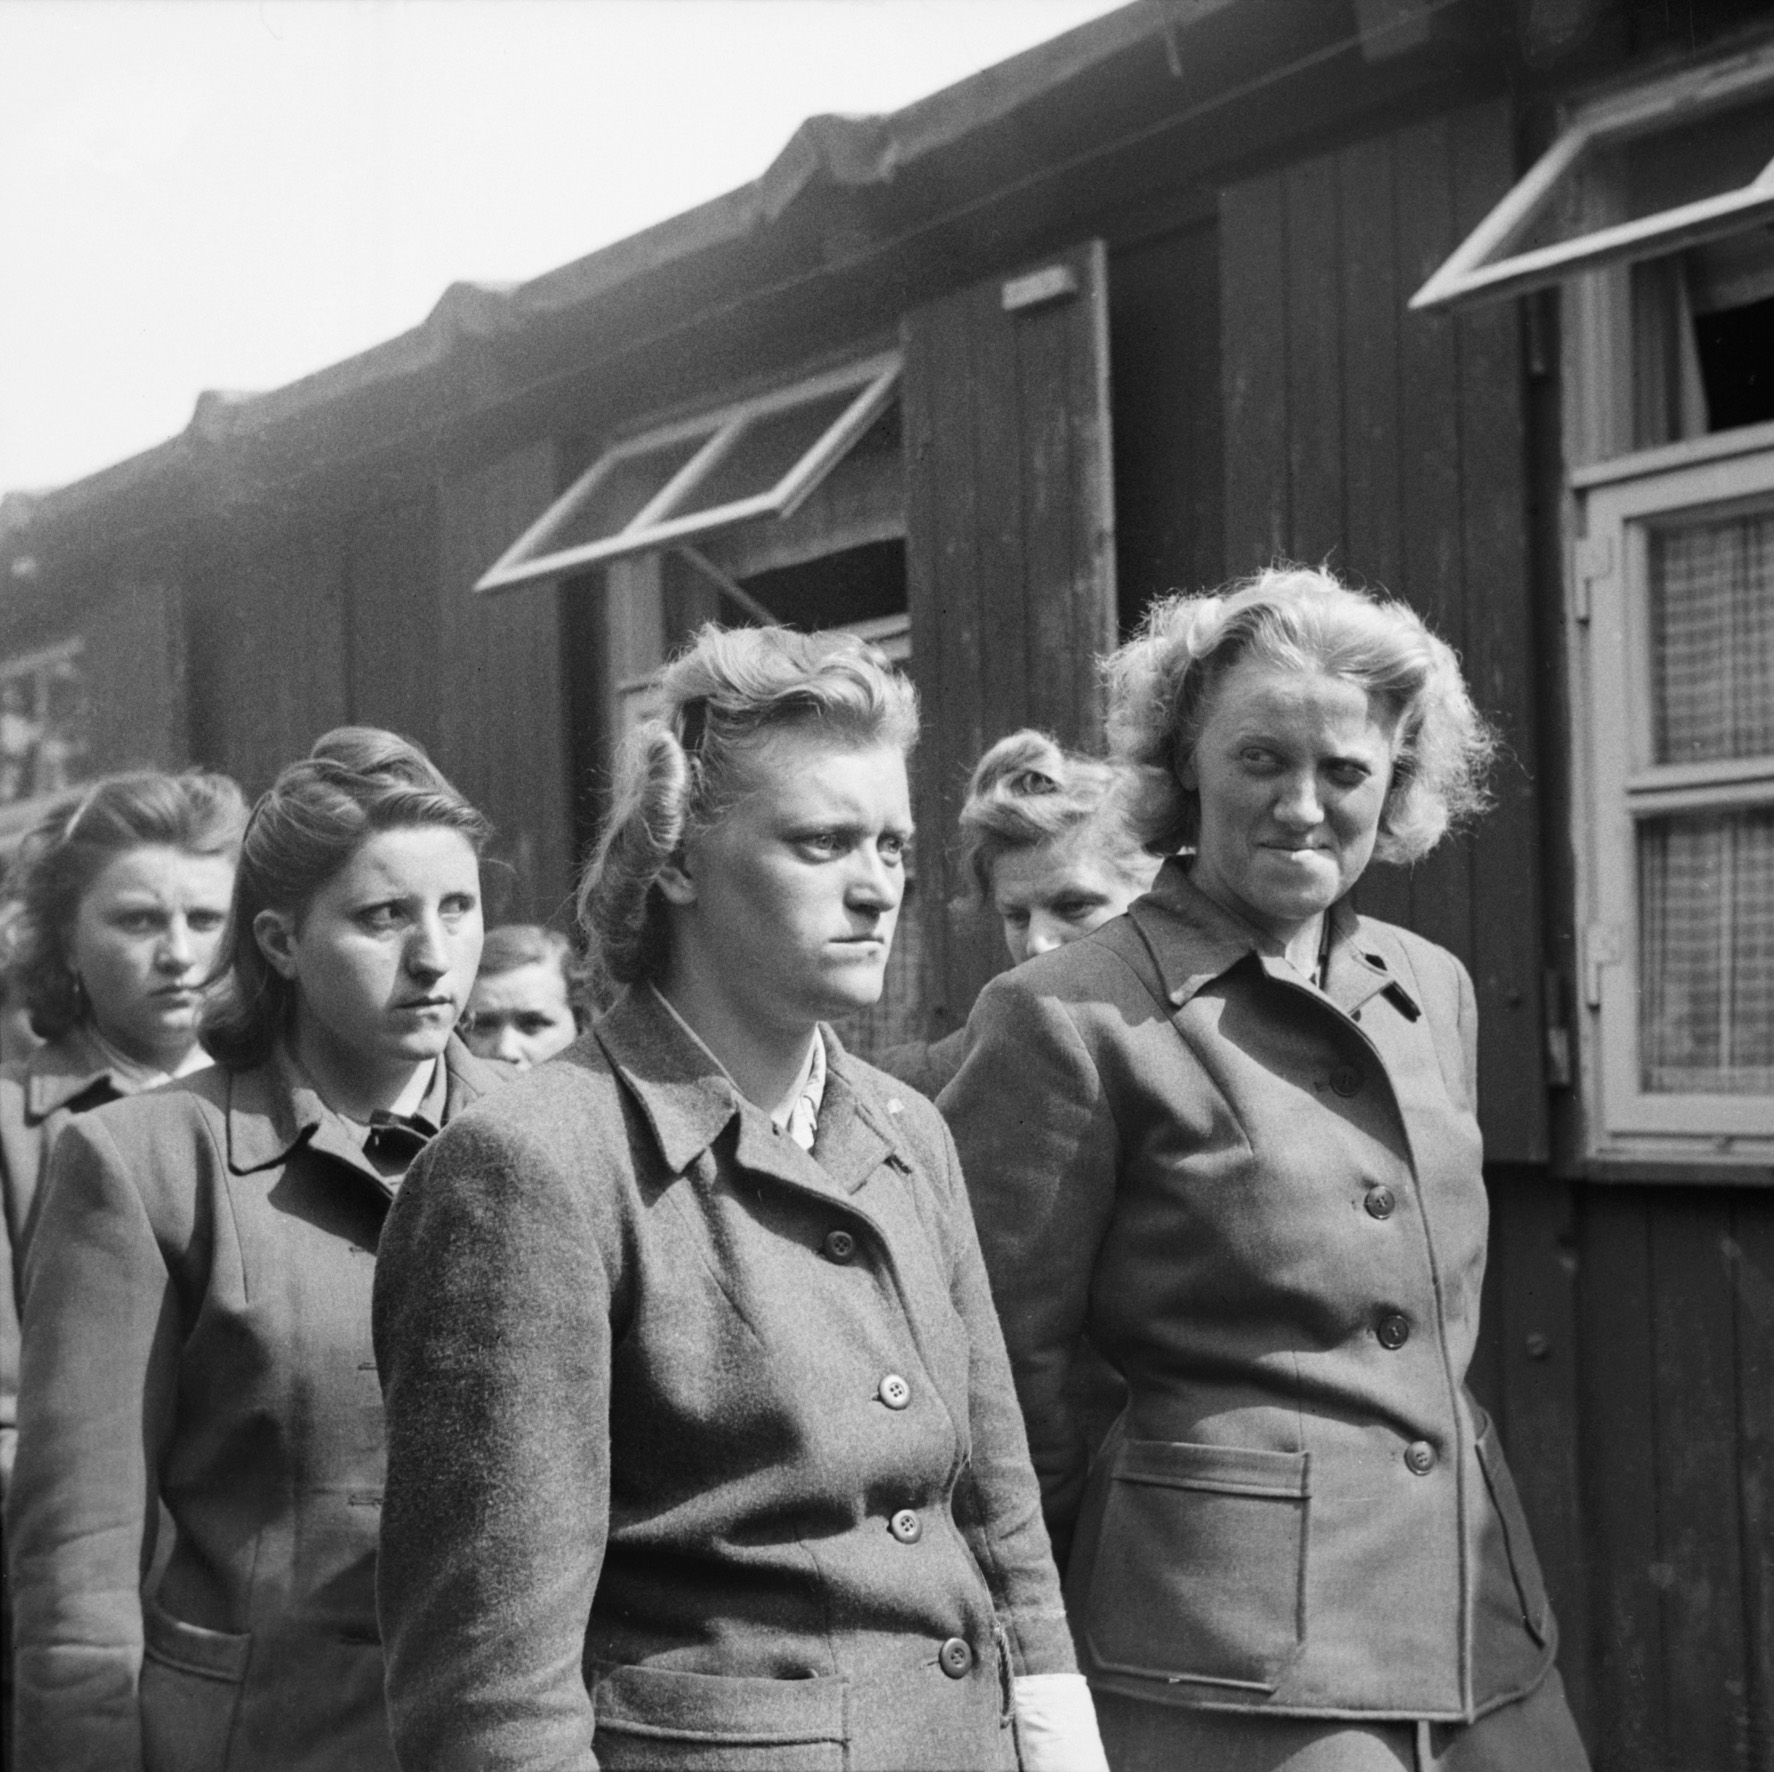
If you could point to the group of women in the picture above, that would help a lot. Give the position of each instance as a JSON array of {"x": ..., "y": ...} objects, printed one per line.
[{"x": 705, "y": 1397}]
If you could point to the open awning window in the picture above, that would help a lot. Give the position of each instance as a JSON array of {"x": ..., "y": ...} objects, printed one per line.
[
  {"x": 1634, "y": 177},
  {"x": 756, "y": 458}
]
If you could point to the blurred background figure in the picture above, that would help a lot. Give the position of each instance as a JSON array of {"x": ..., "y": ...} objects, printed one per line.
[
  {"x": 530, "y": 1000},
  {"x": 1048, "y": 847}
]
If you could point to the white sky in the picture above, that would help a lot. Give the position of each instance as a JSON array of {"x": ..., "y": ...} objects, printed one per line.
[{"x": 232, "y": 193}]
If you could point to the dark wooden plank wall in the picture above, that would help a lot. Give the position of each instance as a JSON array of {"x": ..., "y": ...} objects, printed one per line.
[
  {"x": 1009, "y": 560},
  {"x": 133, "y": 660},
  {"x": 1391, "y": 446}
]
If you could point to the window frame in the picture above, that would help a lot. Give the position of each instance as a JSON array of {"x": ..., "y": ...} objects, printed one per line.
[
  {"x": 1483, "y": 267},
  {"x": 722, "y": 430},
  {"x": 1620, "y": 501}
]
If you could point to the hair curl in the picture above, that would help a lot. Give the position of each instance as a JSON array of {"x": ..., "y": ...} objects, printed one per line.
[
  {"x": 513, "y": 945},
  {"x": 357, "y": 781},
  {"x": 1026, "y": 790},
  {"x": 1161, "y": 687},
  {"x": 61, "y": 858},
  {"x": 682, "y": 771}
]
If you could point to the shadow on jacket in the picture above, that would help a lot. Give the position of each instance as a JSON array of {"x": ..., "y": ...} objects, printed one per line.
[{"x": 197, "y": 1326}]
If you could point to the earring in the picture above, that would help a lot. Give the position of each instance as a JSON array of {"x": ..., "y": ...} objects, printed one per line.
[{"x": 82, "y": 1002}]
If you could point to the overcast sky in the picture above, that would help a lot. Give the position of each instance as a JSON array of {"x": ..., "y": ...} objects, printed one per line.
[{"x": 232, "y": 193}]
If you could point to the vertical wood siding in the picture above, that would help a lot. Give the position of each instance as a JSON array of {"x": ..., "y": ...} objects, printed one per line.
[
  {"x": 1009, "y": 562},
  {"x": 1392, "y": 446},
  {"x": 133, "y": 661}
]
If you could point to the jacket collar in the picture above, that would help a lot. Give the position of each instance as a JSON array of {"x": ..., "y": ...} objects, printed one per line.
[
  {"x": 689, "y": 1101},
  {"x": 273, "y": 1110},
  {"x": 64, "y": 1070},
  {"x": 1194, "y": 941}
]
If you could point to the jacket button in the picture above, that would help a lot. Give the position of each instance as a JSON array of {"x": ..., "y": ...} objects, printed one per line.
[
  {"x": 1379, "y": 1202},
  {"x": 955, "y": 1659},
  {"x": 894, "y": 1391},
  {"x": 1419, "y": 1457},
  {"x": 1346, "y": 1079},
  {"x": 839, "y": 1246},
  {"x": 1393, "y": 1331},
  {"x": 906, "y": 1526}
]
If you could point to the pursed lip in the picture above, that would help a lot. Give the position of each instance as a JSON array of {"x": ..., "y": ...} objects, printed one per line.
[{"x": 416, "y": 1003}]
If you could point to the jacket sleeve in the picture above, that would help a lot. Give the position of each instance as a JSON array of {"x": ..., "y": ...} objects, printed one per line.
[
  {"x": 97, "y": 1390},
  {"x": 492, "y": 1332},
  {"x": 1039, "y": 1151},
  {"x": 1000, "y": 1501}
]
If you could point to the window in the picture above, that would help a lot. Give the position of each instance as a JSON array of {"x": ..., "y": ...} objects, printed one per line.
[
  {"x": 760, "y": 457},
  {"x": 1635, "y": 176},
  {"x": 44, "y": 731}
]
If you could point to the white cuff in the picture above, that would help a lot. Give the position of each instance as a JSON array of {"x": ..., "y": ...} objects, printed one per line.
[{"x": 1056, "y": 1724}]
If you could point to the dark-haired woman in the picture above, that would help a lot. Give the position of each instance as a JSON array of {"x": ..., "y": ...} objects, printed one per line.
[
  {"x": 121, "y": 896},
  {"x": 197, "y": 1305},
  {"x": 702, "y": 1446}
]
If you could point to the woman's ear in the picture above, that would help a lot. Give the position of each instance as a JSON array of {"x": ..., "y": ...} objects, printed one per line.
[
  {"x": 1187, "y": 774},
  {"x": 675, "y": 882},
  {"x": 275, "y": 932}
]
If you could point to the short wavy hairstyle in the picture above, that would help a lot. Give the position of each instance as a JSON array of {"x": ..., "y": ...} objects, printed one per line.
[
  {"x": 1161, "y": 686},
  {"x": 1026, "y": 790},
  {"x": 718, "y": 704},
  {"x": 59, "y": 860},
  {"x": 356, "y": 782}
]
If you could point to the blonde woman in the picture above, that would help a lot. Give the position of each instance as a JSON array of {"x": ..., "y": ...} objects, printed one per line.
[{"x": 703, "y": 1445}]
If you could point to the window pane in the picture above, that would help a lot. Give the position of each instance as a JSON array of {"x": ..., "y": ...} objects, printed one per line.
[
  {"x": 764, "y": 451},
  {"x": 1712, "y": 639},
  {"x": 624, "y": 492},
  {"x": 1706, "y": 954}
]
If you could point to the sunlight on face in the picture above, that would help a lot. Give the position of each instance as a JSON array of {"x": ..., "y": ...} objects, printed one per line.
[
  {"x": 790, "y": 903},
  {"x": 522, "y": 1015},
  {"x": 1292, "y": 768},
  {"x": 1059, "y": 890}
]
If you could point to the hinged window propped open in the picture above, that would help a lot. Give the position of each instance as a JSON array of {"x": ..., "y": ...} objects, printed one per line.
[
  {"x": 1689, "y": 161},
  {"x": 756, "y": 458}
]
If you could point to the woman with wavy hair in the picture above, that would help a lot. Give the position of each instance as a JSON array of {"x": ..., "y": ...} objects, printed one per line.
[
  {"x": 702, "y": 1444},
  {"x": 121, "y": 894},
  {"x": 197, "y": 1306},
  {"x": 1048, "y": 848},
  {"x": 1231, "y": 1138}
]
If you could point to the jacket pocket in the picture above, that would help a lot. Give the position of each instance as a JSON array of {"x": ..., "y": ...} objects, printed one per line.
[
  {"x": 692, "y": 1722},
  {"x": 1199, "y": 1572},
  {"x": 1518, "y": 1541},
  {"x": 191, "y": 1684}
]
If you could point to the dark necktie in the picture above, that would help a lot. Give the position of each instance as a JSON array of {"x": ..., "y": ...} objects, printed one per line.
[{"x": 396, "y": 1139}]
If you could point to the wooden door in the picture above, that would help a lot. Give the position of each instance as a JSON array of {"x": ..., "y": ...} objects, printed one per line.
[{"x": 1010, "y": 556}]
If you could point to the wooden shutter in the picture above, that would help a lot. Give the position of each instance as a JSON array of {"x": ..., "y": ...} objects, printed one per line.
[
  {"x": 133, "y": 664},
  {"x": 1009, "y": 555}
]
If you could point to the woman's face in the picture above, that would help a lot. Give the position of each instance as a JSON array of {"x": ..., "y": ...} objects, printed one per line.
[
  {"x": 1292, "y": 768},
  {"x": 144, "y": 940},
  {"x": 385, "y": 955},
  {"x": 786, "y": 909},
  {"x": 1057, "y": 891},
  {"x": 522, "y": 1015}
]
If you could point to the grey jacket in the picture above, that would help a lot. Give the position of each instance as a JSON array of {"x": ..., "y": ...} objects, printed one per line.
[
  {"x": 703, "y": 1450},
  {"x": 1264, "y": 1204}
]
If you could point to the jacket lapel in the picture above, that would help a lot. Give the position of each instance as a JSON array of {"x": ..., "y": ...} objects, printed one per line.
[{"x": 65, "y": 1070}]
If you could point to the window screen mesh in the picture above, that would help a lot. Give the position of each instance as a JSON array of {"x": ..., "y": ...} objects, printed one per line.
[
  {"x": 1712, "y": 639},
  {"x": 1706, "y": 955}
]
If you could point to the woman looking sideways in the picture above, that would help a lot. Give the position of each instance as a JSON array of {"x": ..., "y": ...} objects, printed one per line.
[
  {"x": 122, "y": 896},
  {"x": 1232, "y": 1139},
  {"x": 1047, "y": 845},
  {"x": 197, "y": 1327},
  {"x": 703, "y": 1450}
]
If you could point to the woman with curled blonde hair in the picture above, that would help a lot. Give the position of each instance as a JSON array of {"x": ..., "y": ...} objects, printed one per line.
[
  {"x": 748, "y": 1483},
  {"x": 1231, "y": 1138},
  {"x": 1048, "y": 846}
]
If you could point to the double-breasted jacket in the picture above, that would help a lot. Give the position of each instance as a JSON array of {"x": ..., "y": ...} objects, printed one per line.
[
  {"x": 1263, "y": 1201},
  {"x": 703, "y": 1449},
  {"x": 197, "y": 1337}
]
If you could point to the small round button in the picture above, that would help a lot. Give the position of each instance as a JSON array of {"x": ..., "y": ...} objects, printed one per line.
[
  {"x": 1380, "y": 1202},
  {"x": 906, "y": 1526},
  {"x": 1419, "y": 1457},
  {"x": 894, "y": 1391},
  {"x": 1393, "y": 1331},
  {"x": 839, "y": 1246},
  {"x": 955, "y": 1659},
  {"x": 1346, "y": 1079}
]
